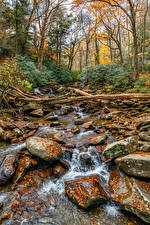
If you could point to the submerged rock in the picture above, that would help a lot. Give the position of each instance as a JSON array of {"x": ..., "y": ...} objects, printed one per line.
[
  {"x": 120, "y": 148},
  {"x": 45, "y": 148},
  {"x": 131, "y": 193},
  {"x": 86, "y": 191},
  {"x": 8, "y": 167},
  {"x": 135, "y": 164}
]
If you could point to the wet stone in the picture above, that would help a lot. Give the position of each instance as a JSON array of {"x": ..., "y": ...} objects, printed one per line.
[
  {"x": 75, "y": 129},
  {"x": 37, "y": 113},
  {"x": 86, "y": 191},
  {"x": 120, "y": 148},
  {"x": 31, "y": 106},
  {"x": 59, "y": 171},
  {"x": 45, "y": 148},
  {"x": 135, "y": 164},
  {"x": 24, "y": 164},
  {"x": 98, "y": 140},
  {"x": 51, "y": 117},
  {"x": 131, "y": 193},
  {"x": 145, "y": 136},
  {"x": 7, "y": 168},
  {"x": 1, "y": 133},
  {"x": 78, "y": 122},
  {"x": 86, "y": 160}
]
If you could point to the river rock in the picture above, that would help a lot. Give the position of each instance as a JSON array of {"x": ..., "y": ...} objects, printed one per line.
[
  {"x": 86, "y": 191},
  {"x": 45, "y": 148},
  {"x": 98, "y": 140},
  {"x": 59, "y": 171},
  {"x": 51, "y": 117},
  {"x": 144, "y": 136},
  {"x": 66, "y": 110},
  {"x": 135, "y": 164},
  {"x": 131, "y": 193},
  {"x": 31, "y": 106},
  {"x": 86, "y": 160},
  {"x": 7, "y": 168},
  {"x": 37, "y": 113},
  {"x": 106, "y": 110},
  {"x": 145, "y": 147},
  {"x": 1, "y": 133},
  {"x": 119, "y": 148},
  {"x": 24, "y": 164},
  {"x": 78, "y": 121},
  {"x": 143, "y": 123},
  {"x": 75, "y": 129},
  {"x": 87, "y": 125}
]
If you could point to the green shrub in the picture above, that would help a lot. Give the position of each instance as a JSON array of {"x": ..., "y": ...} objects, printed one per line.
[
  {"x": 59, "y": 74},
  {"x": 109, "y": 74},
  {"x": 51, "y": 72},
  {"x": 75, "y": 75},
  {"x": 10, "y": 73},
  {"x": 142, "y": 85}
]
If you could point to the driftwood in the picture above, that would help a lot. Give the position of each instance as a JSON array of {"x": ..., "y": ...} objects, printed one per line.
[{"x": 19, "y": 95}]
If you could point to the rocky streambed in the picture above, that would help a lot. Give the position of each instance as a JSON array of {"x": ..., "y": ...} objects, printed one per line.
[{"x": 82, "y": 164}]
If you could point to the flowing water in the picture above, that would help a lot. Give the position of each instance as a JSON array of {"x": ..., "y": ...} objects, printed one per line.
[{"x": 47, "y": 203}]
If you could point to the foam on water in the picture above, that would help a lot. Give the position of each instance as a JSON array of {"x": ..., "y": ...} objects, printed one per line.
[
  {"x": 13, "y": 148},
  {"x": 112, "y": 210},
  {"x": 3, "y": 197}
]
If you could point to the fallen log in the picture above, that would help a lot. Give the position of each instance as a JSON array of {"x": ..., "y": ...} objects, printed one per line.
[
  {"x": 97, "y": 97},
  {"x": 80, "y": 92}
]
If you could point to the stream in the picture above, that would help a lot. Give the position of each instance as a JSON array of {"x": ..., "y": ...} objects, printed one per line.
[{"x": 44, "y": 200}]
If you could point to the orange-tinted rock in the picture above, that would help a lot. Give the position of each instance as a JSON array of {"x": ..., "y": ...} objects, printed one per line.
[
  {"x": 59, "y": 171},
  {"x": 131, "y": 193},
  {"x": 86, "y": 191},
  {"x": 24, "y": 164},
  {"x": 7, "y": 168},
  {"x": 45, "y": 173},
  {"x": 98, "y": 140},
  {"x": 45, "y": 148}
]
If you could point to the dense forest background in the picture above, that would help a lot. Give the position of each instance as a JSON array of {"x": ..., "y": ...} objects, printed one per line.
[{"x": 105, "y": 43}]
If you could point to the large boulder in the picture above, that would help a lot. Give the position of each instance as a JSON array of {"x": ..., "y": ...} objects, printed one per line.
[
  {"x": 131, "y": 193},
  {"x": 135, "y": 164},
  {"x": 8, "y": 167},
  {"x": 45, "y": 148},
  {"x": 86, "y": 191},
  {"x": 119, "y": 148}
]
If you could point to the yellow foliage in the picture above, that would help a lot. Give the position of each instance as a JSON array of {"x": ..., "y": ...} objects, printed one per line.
[{"x": 104, "y": 54}]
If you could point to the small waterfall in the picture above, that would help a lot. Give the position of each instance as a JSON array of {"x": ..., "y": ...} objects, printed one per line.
[
  {"x": 76, "y": 170},
  {"x": 14, "y": 148},
  {"x": 37, "y": 90}
]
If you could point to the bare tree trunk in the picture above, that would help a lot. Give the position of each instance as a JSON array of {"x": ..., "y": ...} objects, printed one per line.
[
  {"x": 80, "y": 58},
  {"x": 96, "y": 51},
  {"x": 87, "y": 52},
  {"x": 144, "y": 35}
]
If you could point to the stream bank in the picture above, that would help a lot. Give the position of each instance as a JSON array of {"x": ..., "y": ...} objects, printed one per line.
[{"x": 37, "y": 189}]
